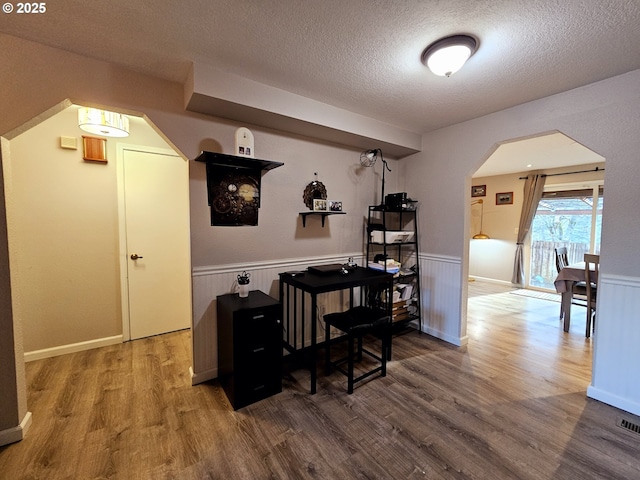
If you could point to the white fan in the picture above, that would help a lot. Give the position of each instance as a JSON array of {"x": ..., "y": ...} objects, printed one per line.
[{"x": 368, "y": 159}]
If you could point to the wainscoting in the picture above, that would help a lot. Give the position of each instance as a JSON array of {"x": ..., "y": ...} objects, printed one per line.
[
  {"x": 440, "y": 289},
  {"x": 617, "y": 332},
  {"x": 209, "y": 282},
  {"x": 441, "y": 300}
]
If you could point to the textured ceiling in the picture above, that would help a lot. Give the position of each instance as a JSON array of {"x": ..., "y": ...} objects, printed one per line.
[{"x": 359, "y": 55}]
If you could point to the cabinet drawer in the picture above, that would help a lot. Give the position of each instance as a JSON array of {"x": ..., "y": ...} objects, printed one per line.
[
  {"x": 258, "y": 323},
  {"x": 257, "y": 357}
]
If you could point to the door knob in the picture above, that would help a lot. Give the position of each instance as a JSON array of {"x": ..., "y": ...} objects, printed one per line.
[{"x": 135, "y": 256}]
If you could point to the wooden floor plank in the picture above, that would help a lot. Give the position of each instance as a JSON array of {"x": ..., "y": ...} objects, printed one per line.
[{"x": 510, "y": 405}]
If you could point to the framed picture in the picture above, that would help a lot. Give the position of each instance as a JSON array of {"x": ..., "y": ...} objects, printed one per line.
[
  {"x": 479, "y": 191},
  {"x": 504, "y": 198},
  {"x": 319, "y": 205},
  {"x": 335, "y": 205}
]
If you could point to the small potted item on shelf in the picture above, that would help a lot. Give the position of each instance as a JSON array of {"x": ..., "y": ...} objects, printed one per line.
[{"x": 243, "y": 284}]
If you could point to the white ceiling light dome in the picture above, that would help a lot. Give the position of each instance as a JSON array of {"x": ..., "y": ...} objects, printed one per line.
[
  {"x": 103, "y": 122},
  {"x": 446, "y": 56}
]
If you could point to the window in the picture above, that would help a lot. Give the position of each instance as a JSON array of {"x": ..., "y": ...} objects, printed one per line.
[{"x": 569, "y": 218}]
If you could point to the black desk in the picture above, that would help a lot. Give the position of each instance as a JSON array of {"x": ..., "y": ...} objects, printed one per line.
[{"x": 294, "y": 291}]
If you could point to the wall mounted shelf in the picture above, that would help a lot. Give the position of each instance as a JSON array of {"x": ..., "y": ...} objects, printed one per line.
[
  {"x": 223, "y": 160},
  {"x": 234, "y": 187},
  {"x": 323, "y": 214}
]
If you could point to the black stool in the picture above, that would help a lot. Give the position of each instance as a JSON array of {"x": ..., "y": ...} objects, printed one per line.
[{"x": 356, "y": 323}]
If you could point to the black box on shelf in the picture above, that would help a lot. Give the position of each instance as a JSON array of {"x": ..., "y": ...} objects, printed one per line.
[{"x": 396, "y": 200}]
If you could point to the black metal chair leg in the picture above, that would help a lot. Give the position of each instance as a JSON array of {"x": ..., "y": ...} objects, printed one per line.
[
  {"x": 386, "y": 347},
  {"x": 350, "y": 365},
  {"x": 327, "y": 349}
]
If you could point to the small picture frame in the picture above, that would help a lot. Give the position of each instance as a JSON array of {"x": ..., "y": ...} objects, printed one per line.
[
  {"x": 505, "y": 198},
  {"x": 319, "y": 205},
  {"x": 335, "y": 205},
  {"x": 479, "y": 191}
]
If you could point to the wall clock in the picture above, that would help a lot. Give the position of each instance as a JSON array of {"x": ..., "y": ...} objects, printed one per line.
[
  {"x": 233, "y": 187},
  {"x": 234, "y": 196}
]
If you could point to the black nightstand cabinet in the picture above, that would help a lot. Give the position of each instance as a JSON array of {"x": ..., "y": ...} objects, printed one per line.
[{"x": 249, "y": 347}]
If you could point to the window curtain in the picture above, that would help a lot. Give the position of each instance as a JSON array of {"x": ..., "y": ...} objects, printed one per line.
[{"x": 533, "y": 188}]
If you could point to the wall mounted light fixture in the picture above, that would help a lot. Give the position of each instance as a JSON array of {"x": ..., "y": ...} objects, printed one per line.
[
  {"x": 103, "y": 122},
  {"x": 447, "y": 55}
]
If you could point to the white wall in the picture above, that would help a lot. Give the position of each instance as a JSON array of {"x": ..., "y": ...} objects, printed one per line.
[
  {"x": 63, "y": 234},
  {"x": 493, "y": 259}
]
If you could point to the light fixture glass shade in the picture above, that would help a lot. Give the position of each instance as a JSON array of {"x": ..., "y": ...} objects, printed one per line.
[
  {"x": 446, "y": 56},
  {"x": 103, "y": 122},
  {"x": 481, "y": 235}
]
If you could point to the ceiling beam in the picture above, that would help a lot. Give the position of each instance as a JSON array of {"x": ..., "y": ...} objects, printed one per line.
[{"x": 214, "y": 92}]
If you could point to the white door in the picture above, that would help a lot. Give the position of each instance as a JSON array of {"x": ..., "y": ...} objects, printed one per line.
[{"x": 155, "y": 248}]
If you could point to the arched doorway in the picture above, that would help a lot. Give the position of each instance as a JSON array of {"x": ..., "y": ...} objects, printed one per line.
[
  {"x": 502, "y": 174},
  {"x": 63, "y": 223}
]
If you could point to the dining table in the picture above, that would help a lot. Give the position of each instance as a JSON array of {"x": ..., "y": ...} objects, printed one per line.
[{"x": 564, "y": 282}]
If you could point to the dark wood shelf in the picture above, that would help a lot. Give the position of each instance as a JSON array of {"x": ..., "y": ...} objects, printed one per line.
[
  {"x": 323, "y": 214},
  {"x": 221, "y": 159}
]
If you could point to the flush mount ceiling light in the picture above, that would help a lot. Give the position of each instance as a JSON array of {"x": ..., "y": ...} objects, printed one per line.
[
  {"x": 449, "y": 54},
  {"x": 103, "y": 122}
]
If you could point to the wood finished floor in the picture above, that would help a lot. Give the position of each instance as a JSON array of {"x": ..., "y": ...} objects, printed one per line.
[{"x": 510, "y": 405}]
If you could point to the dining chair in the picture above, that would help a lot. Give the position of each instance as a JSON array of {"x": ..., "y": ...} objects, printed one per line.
[
  {"x": 579, "y": 289},
  {"x": 591, "y": 268},
  {"x": 561, "y": 258}
]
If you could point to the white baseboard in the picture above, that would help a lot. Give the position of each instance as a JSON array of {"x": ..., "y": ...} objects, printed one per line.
[
  {"x": 202, "y": 377},
  {"x": 15, "y": 434},
  {"x": 71, "y": 348},
  {"x": 492, "y": 280},
  {"x": 457, "y": 341},
  {"x": 614, "y": 400}
]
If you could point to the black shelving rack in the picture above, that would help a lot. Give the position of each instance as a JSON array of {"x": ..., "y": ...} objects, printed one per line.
[{"x": 392, "y": 233}]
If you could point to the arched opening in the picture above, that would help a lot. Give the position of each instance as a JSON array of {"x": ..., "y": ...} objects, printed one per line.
[
  {"x": 63, "y": 224},
  {"x": 499, "y": 182}
]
